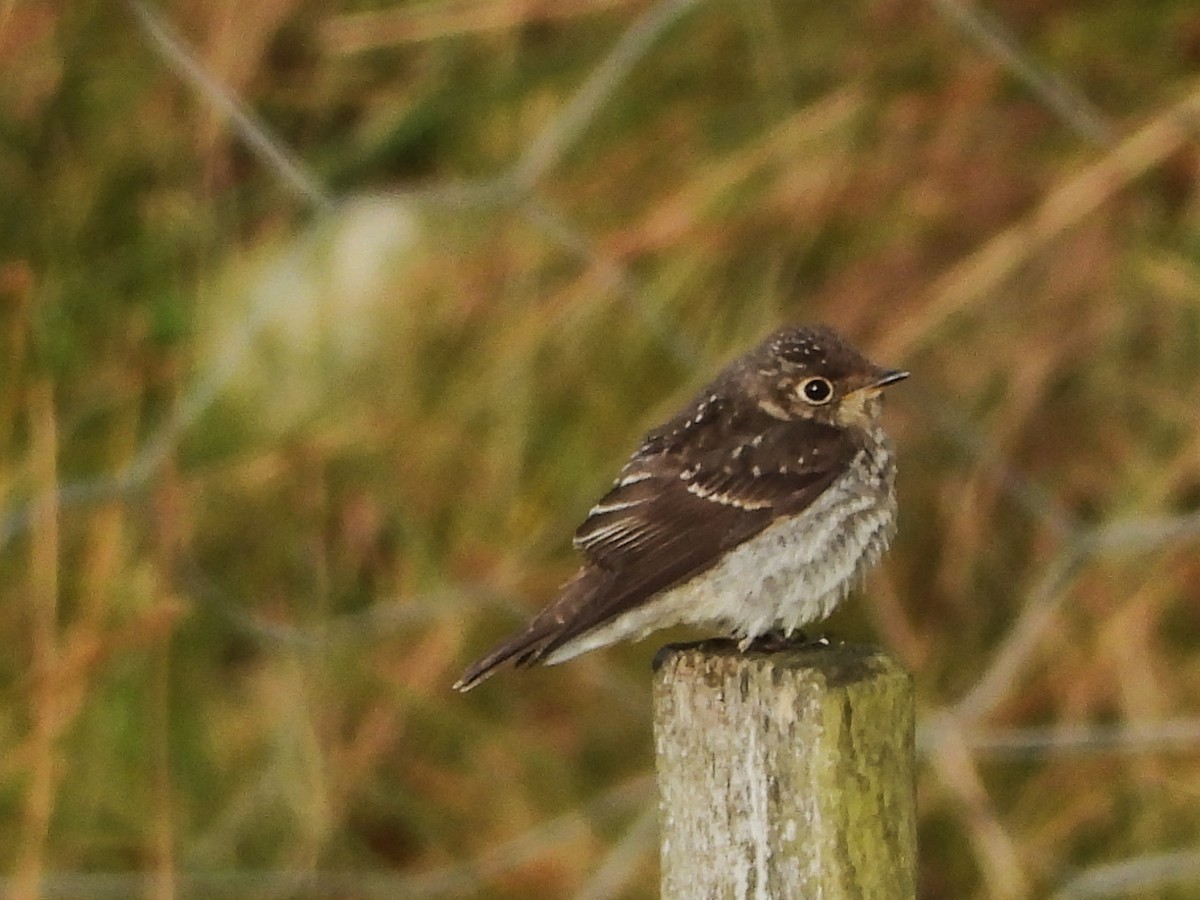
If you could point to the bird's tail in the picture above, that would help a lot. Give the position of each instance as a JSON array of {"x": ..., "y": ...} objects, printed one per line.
[{"x": 529, "y": 645}]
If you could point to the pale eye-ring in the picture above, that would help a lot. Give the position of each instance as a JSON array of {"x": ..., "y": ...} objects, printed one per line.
[{"x": 816, "y": 390}]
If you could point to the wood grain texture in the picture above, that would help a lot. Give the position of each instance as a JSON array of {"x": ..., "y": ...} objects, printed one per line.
[{"x": 789, "y": 774}]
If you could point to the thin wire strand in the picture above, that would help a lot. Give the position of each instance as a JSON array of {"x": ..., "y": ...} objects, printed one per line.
[
  {"x": 569, "y": 125},
  {"x": 249, "y": 127},
  {"x": 1136, "y": 877},
  {"x": 1172, "y": 735},
  {"x": 1054, "y": 92},
  {"x": 999, "y": 679}
]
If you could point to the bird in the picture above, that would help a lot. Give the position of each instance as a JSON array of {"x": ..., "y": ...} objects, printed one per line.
[{"x": 753, "y": 511}]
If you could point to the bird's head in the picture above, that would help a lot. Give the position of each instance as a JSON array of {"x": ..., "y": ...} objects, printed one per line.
[{"x": 811, "y": 373}]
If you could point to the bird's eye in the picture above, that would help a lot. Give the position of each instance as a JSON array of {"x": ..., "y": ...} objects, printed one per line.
[{"x": 816, "y": 390}]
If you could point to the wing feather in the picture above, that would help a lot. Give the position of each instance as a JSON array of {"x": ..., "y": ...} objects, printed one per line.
[{"x": 685, "y": 498}]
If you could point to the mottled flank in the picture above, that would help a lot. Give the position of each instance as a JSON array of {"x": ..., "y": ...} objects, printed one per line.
[{"x": 754, "y": 510}]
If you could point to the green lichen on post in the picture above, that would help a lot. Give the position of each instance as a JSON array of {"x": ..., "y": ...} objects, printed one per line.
[{"x": 786, "y": 774}]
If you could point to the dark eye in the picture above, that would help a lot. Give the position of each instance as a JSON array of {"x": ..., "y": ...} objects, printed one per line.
[{"x": 816, "y": 390}]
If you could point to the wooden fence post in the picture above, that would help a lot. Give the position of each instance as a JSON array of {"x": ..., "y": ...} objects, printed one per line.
[{"x": 787, "y": 775}]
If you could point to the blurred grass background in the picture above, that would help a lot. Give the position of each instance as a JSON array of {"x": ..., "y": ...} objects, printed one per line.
[{"x": 321, "y": 326}]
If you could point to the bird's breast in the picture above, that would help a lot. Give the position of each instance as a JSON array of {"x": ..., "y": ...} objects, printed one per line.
[{"x": 799, "y": 568}]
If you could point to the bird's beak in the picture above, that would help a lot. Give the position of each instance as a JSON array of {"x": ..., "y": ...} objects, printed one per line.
[{"x": 888, "y": 376}]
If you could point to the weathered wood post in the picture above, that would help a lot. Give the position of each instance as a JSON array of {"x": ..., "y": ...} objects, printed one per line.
[{"x": 786, "y": 775}]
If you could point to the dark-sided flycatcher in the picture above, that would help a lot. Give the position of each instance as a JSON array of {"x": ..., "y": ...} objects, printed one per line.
[{"x": 754, "y": 511}]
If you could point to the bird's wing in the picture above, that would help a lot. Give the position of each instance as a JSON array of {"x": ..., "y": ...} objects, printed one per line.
[{"x": 685, "y": 498}]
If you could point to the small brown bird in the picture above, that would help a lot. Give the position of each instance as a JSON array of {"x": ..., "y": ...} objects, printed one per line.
[{"x": 754, "y": 511}]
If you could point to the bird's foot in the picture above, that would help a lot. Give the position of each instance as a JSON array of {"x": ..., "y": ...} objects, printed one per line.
[
  {"x": 775, "y": 641},
  {"x": 778, "y": 641}
]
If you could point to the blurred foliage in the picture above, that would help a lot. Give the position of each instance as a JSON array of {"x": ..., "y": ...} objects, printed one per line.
[{"x": 272, "y": 472}]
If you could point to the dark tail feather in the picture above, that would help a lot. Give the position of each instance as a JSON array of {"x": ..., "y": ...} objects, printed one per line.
[
  {"x": 532, "y": 642},
  {"x": 525, "y": 647}
]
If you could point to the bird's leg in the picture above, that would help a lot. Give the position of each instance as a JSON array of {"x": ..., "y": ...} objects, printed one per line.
[{"x": 774, "y": 641}]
